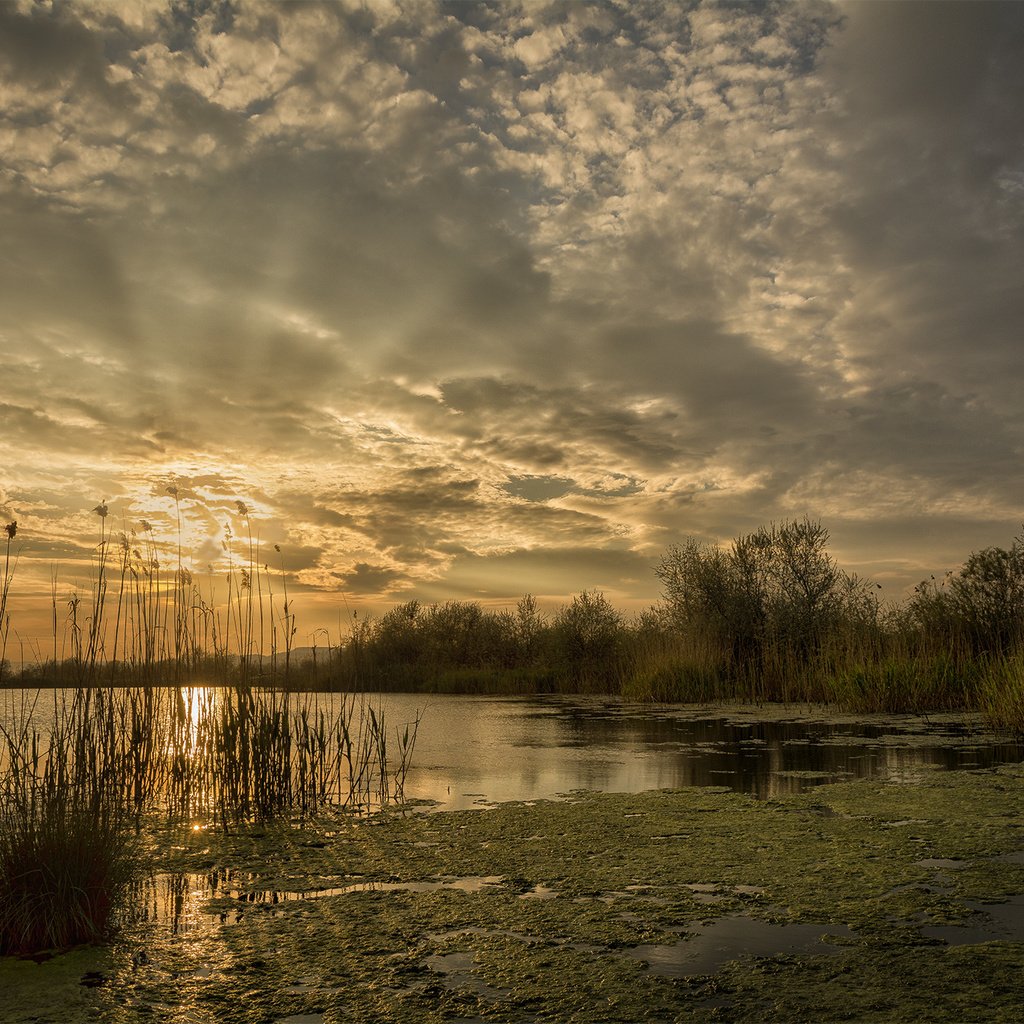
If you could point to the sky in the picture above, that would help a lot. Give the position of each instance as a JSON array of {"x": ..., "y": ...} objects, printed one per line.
[{"x": 472, "y": 300}]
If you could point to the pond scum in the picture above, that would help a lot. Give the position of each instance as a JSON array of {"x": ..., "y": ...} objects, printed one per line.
[
  {"x": 770, "y": 618},
  {"x": 592, "y": 910}
]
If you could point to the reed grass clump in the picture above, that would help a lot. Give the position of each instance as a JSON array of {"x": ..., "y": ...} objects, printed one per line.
[
  {"x": 68, "y": 848},
  {"x": 243, "y": 754},
  {"x": 675, "y": 680},
  {"x": 1002, "y": 692},
  {"x": 896, "y": 685},
  {"x": 79, "y": 776},
  {"x": 65, "y": 871},
  {"x": 82, "y": 772}
]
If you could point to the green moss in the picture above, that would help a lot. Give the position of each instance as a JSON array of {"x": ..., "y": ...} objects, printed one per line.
[{"x": 626, "y": 870}]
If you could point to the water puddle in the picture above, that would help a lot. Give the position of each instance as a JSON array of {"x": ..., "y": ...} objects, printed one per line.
[
  {"x": 539, "y": 892},
  {"x": 184, "y": 902},
  {"x": 457, "y": 968},
  {"x": 457, "y": 972},
  {"x": 704, "y": 948},
  {"x": 989, "y": 922}
]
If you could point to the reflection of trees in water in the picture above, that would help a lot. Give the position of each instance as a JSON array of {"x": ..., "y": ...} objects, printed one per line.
[
  {"x": 758, "y": 757},
  {"x": 175, "y": 900}
]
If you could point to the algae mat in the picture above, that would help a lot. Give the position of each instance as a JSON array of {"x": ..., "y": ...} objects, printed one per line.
[{"x": 692, "y": 905}]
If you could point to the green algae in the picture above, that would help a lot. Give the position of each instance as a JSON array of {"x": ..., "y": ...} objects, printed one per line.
[{"x": 615, "y": 872}]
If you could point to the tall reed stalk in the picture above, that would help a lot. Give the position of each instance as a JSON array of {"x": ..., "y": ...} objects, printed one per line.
[
  {"x": 67, "y": 849},
  {"x": 11, "y": 530}
]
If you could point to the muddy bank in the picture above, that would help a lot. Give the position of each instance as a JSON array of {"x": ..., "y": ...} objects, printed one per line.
[{"x": 872, "y": 901}]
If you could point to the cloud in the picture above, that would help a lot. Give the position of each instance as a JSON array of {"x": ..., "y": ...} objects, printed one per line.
[
  {"x": 538, "y": 488},
  {"x": 364, "y": 580},
  {"x": 554, "y": 575},
  {"x": 443, "y": 289}
]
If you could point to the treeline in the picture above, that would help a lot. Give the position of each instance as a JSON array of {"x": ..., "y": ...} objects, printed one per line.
[
  {"x": 771, "y": 617},
  {"x": 458, "y": 646},
  {"x": 774, "y": 617}
]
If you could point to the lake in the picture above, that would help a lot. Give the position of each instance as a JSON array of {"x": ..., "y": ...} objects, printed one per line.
[{"x": 474, "y": 751}]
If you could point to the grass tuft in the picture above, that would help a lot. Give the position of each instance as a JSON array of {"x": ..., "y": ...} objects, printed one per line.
[{"x": 64, "y": 874}]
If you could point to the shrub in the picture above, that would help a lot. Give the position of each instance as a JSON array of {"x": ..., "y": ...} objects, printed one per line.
[
  {"x": 587, "y": 643},
  {"x": 774, "y": 598}
]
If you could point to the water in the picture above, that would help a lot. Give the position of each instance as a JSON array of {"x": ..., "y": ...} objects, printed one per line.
[
  {"x": 473, "y": 751},
  {"x": 712, "y": 944},
  {"x": 179, "y": 902},
  {"x": 477, "y": 751}
]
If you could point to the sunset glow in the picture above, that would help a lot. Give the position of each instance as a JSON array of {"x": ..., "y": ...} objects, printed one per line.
[{"x": 470, "y": 301}]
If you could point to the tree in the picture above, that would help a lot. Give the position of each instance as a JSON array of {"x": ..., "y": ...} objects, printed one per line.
[
  {"x": 588, "y": 636},
  {"x": 989, "y": 595},
  {"x": 774, "y": 590}
]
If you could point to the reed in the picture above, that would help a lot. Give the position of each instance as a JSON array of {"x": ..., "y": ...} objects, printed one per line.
[
  {"x": 67, "y": 849},
  {"x": 1002, "y": 692},
  {"x": 65, "y": 870},
  {"x": 11, "y": 530},
  {"x": 80, "y": 776}
]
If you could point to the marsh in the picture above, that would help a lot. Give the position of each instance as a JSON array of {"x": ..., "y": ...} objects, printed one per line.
[{"x": 846, "y": 869}]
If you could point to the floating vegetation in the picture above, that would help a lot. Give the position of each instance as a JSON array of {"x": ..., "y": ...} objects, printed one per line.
[{"x": 854, "y": 914}]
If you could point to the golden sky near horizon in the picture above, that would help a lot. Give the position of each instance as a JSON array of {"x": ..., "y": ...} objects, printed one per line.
[{"x": 467, "y": 301}]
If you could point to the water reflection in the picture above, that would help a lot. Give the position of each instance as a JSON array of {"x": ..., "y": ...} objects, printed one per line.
[
  {"x": 181, "y": 902},
  {"x": 708, "y": 946},
  {"x": 473, "y": 751}
]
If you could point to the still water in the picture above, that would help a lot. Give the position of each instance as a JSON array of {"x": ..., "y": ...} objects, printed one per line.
[{"x": 473, "y": 751}]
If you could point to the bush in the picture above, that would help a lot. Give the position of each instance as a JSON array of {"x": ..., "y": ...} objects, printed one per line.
[{"x": 587, "y": 642}]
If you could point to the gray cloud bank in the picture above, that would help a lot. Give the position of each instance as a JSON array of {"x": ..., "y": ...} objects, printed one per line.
[{"x": 479, "y": 299}]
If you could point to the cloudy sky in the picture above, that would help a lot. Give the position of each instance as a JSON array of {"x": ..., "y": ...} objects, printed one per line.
[{"x": 471, "y": 300}]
